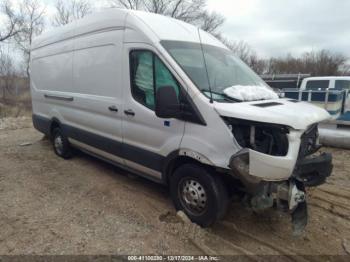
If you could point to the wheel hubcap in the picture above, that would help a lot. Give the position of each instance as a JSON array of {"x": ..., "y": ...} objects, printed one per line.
[
  {"x": 193, "y": 196},
  {"x": 58, "y": 144}
]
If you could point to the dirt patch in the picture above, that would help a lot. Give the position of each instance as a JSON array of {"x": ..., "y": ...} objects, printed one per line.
[{"x": 85, "y": 206}]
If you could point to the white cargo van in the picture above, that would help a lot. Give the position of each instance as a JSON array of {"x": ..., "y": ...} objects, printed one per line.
[{"x": 170, "y": 102}]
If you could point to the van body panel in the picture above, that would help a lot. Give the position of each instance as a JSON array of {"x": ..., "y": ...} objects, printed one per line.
[
  {"x": 98, "y": 84},
  {"x": 215, "y": 141},
  {"x": 174, "y": 30},
  {"x": 61, "y": 34},
  {"x": 136, "y": 31},
  {"x": 114, "y": 159},
  {"x": 46, "y": 88},
  {"x": 100, "y": 21}
]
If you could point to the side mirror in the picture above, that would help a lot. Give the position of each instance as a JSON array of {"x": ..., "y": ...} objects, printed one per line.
[{"x": 167, "y": 103}]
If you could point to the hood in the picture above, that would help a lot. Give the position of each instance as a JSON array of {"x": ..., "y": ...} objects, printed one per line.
[{"x": 298, "y": 115}]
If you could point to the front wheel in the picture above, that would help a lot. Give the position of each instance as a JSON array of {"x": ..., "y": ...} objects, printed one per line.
[{"x": 202, "y": 196}]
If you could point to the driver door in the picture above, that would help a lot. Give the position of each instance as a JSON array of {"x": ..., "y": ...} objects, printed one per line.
[{"x": 147, "y": 139}]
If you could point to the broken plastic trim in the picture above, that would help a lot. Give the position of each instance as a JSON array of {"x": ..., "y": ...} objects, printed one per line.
[
  {"x": 314, "y": 170},
  {"x": 300, "y": 213},
  {"x": 239, "y": 162},
  {"x": 309, "y": 142},
  {"x": 299, "y": 219},
  {"x": 287, "y": 195}
]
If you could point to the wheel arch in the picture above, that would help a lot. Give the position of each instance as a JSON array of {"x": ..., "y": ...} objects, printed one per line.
[
  {"x": 55, "y": 123},
  {"x": 181, "y": 157}
]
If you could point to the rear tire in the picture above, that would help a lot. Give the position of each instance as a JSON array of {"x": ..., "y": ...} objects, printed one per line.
[
  {"x": 202, "y": 196},
  {"x": 61, "y": 144}
]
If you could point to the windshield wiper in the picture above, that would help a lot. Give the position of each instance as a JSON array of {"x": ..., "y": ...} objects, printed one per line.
[
  {"x": 225, "y": 97},
  {"x": 231, "y": 98}
]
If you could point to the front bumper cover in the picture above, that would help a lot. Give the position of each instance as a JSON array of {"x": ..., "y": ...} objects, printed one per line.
[
  {"x": 314, "y": 170},
  {"x": 309, "y": 171}
]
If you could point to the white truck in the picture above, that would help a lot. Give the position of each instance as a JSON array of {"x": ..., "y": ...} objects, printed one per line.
[
  {"x": 170, "y": 102},
  {"x": 337, "y": 95}
]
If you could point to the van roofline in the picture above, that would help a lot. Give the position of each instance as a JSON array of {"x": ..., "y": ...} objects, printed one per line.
[{"x": 159, "y": 28}]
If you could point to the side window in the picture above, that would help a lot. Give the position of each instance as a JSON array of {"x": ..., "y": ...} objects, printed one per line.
[
  {"x": 148, "y": 73},
  {"x": 317, "y": 84},
  {"x": 342, "y": 84},
  {"x": 142, "y": 77}
]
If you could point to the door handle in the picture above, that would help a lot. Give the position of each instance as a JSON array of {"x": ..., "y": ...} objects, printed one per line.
[
  {"x": 113, "y": 108},
  {"x": 129, "y": 112},
  {"x": 64, "y": 98}
]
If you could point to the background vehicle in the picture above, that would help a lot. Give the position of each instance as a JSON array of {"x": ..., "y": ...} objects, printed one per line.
[
  {"x": 283, "y": 81},
  {"x": 326, "y": 82},
  {"x": 170, "y": 102},
  {"x": 330, "y": 93}
]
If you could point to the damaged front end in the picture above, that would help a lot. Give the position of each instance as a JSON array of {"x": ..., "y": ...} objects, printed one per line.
[
  {"x": 309, "y": 168},
  {"x": 312, "y": 169}
]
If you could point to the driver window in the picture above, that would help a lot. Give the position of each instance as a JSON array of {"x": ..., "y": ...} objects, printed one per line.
[
  {"x": 164, "y": 77},
  {"x": 148, "y": 73}
]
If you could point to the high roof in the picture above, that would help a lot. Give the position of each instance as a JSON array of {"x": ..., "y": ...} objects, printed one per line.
[{"x": 155, "y": 27}]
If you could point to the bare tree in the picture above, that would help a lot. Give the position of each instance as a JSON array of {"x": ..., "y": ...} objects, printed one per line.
[
  {"x": 345, "y": 69},
  {"x": 317, "y": 63},
  {"x": 128, "y": 4},
  {"x": 68, "y": 11},
  {"x": 32, "y": 13},
  {"x": 7, "y": 73},
  {"x": 190, "y": 11},
  {"x": 259, "y": 65},
  {"x": 211, "y": 22},
  {"x": 240, "y": 49},
  {"x": 246, "y": 54},
  {"x": 13, "y": 21}
]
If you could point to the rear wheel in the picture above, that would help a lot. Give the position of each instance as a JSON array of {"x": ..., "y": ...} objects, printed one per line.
[
  {"x": 61, "y": 144},
  {"x": 200, "y": 195}
]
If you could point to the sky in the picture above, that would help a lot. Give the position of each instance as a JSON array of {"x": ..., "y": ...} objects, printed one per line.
[{"x": 278, "y": 27}]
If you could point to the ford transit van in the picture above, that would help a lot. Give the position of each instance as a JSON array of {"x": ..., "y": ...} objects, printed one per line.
[{"x": 170, "y": 102}]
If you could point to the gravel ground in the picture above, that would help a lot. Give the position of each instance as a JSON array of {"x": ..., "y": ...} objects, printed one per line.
[{"x": 85, "y": 206}]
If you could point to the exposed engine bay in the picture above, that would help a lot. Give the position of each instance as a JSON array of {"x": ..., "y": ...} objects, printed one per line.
[{"x": 262, "y": 137}]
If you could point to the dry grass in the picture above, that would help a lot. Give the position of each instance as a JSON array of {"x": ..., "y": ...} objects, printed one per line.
[{"x": 15, "y": 106}]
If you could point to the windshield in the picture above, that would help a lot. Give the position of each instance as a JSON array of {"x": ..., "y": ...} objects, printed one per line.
[{"x": 229, "y": 77}]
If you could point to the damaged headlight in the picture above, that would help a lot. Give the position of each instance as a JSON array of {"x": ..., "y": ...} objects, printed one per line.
[
  {"x": 309, "y": 143},
  {"x": 266, "y": 138}
]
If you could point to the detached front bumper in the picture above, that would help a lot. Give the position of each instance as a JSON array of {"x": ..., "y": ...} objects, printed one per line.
[
  {"x": 314, "y": 170},
  {"x": 310, "y": 171},
  {"x": 288, "y": 194}
]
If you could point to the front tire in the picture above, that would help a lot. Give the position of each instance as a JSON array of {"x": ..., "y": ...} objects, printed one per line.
[
  {"x": 202, "y": 196},
  {"x": 61, "y": 144}
]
